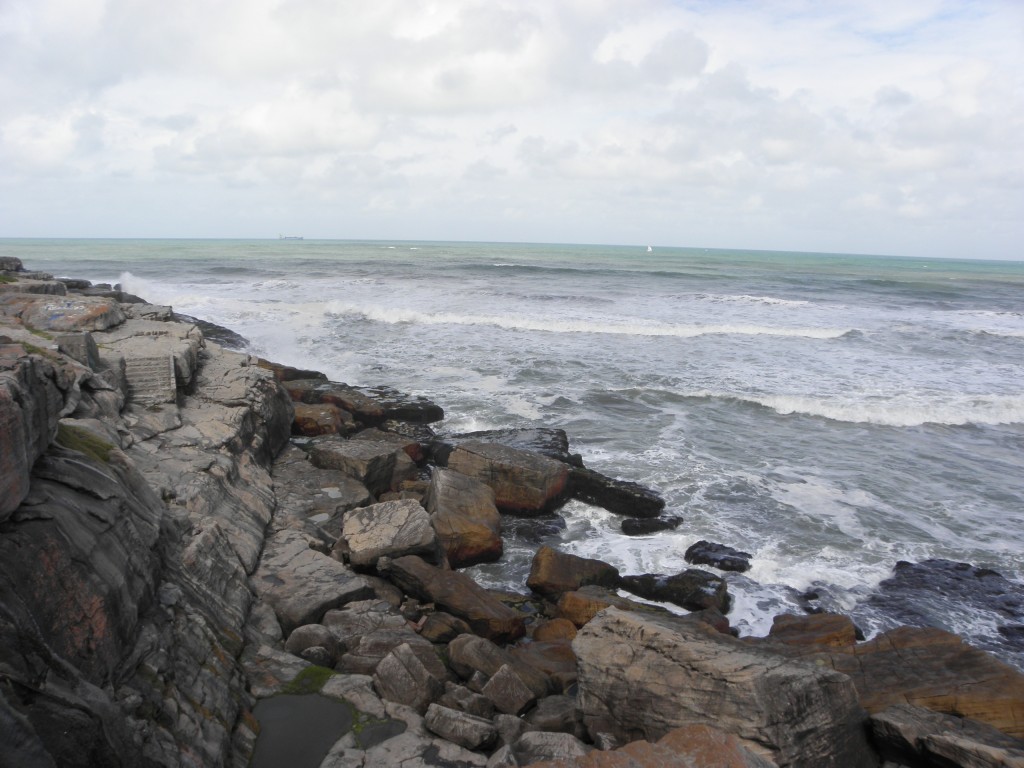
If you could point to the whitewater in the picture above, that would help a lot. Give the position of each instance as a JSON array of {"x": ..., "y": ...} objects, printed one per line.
[{"x": 830, "y": 414}]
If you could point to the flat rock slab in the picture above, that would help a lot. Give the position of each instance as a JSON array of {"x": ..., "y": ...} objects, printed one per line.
[
  {"x": 62, "y": 313},
  {"x": 457, "y": 594},
  {"x": 523, "y": 482},
  {"x": 302, "y": 584}
]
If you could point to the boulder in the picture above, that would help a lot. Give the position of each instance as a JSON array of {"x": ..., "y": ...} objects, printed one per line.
[
  {"x": 415, "y": 680},
  {"x": 412, "y": 446},
  {"x": 322, "y": 419},
  {"x": 400, "y": 406},
  {"x": 537, "y": 747},
  {"x": 317, "y": 391},
  {"x": 583, "y": 604},
  {"x": 691, "y": 746},
  {"x": 553, "y": 443},
  {"x": 632, "y": 526},
  {"x": 463, "y": 513},
  {"x": 553, "y": 573},
  {"x": 461, "y": 698},
  {"x": 302, "y": 584},
  {"x": 464, "y": 729},
  {"x": 389, "y": 529},
  {"x": 312, "y": 636},
  {"x": 555, "y": 629},
  {"x": 692, "y": 589},
  {"x": 554, "y": 659},
  {"x": 718, "y": 555},
  {"x": 917, "y": 736},
  {"x": 472, "y": 656},
  {"x": 459, "y": 595},
  {"x": 288, "y": 373},
  {"x": 441, "y": 627},
  {"x": 377, "y": 465},
  {"x": 642, "y": 676},
  {"x": 619, "y": 496},
  {"x": 556, "y": 714},
  {"x": 508, "y": 692},
  {"x": 931, "y": 668},
  {"x": 819, "y": 630},
  {"x": 523, "y": 482}
]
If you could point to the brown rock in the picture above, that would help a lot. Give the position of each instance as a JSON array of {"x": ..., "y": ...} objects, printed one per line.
[
  {"x": 458, "y": 595},
  {"x": 553, "y": 573},
  {"x": 931, "y": 668},
  {"x": 441, "y": 627},
  {"x": 554, "y": 659},
  {"x": 556, "y": 629},
  {"x": 585, "y": 603},
  {"x": 820, "y": 630},
  {"x": 463, "y": 513},
  {"x": 523, "y": 482},
  {"x": 317, "y": 391},
  {"x": 323, "y": 419}
]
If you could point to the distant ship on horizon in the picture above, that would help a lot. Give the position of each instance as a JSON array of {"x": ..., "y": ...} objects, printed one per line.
[{"x": 290, "y": 237}]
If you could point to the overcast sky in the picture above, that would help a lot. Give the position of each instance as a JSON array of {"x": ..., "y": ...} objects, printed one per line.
[{"x": 871, "y": 126}]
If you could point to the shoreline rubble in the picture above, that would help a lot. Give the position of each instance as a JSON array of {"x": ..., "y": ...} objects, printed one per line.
[{"x": 187, "y": 530}]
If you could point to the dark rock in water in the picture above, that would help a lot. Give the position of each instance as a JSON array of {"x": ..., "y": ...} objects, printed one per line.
[
  {"x": 287, "y": 373},
  {"x": 924, "y": 594},
  {"x": 403, "y": 407},
  {"x": 553, "y": 443},
  {"x": 642, "y": 526},
  {"x": 692, "y": 589},
  {"x": 718, "y": 555},
  {"x": 619, "y": 496},
  {"x": 216, "y": 333}
]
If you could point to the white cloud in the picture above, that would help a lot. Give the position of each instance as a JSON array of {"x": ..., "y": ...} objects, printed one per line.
[{"x": 853, "y": 126}]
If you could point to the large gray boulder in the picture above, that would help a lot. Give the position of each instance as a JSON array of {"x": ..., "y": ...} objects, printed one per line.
[
  {"x": 642, "y": 676},
  {"x": 389, "y": 529}
]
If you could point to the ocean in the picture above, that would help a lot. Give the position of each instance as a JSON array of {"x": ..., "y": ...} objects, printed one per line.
[{"x": 829, "y": 414}]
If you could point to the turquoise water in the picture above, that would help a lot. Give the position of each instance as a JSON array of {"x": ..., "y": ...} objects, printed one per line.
[{"x": 832, "y": 414}]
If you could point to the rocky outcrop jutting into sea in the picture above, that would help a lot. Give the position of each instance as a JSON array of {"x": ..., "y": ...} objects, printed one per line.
[{"x": 208, "y": 559}]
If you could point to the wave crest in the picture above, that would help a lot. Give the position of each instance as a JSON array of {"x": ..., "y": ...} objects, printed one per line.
[{"x": 631, "y": 328}]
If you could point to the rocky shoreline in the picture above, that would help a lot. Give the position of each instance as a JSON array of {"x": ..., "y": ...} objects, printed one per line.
[{"x": 207, "y": 559}]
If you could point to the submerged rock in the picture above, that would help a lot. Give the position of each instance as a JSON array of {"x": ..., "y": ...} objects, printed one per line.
[{"x": 718, "y": 555}]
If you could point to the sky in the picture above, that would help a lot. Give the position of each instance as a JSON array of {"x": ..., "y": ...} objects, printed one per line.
[{"x": 867, "y": 126}]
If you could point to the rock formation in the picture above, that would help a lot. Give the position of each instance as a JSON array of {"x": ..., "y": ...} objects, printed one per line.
[{"x": 197, "y": 546}]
